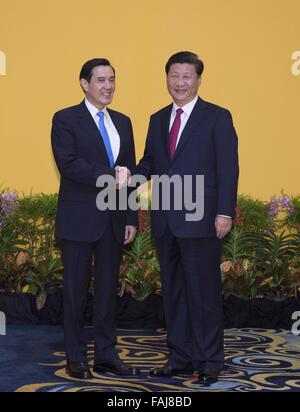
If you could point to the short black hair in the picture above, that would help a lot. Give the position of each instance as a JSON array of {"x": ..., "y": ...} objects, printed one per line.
[
  {"x": 186, "y": 57},
  {"x": 87, "y": 69}
]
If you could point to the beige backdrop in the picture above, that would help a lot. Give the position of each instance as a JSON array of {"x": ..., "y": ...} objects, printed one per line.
[{"x": 248, "y": 47}]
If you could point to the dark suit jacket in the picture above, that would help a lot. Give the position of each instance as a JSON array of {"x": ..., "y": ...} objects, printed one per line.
[
  {"x": 81, "y": 158},
  {"x": 207, "y": 146}
]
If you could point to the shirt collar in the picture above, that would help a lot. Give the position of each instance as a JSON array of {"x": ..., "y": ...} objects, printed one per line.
[
  {"x": 93, "y": 109},
  {"x": 187, "y": 108}
]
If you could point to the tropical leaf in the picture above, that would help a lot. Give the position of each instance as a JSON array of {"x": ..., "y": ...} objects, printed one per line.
[
  {"x": 143, "y": 244},
  {"x": 41, "y": 299},
  {"x": 236, "y": 245}
]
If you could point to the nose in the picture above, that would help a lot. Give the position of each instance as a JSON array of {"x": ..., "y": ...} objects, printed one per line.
[
  {"x": 107, "y": 85},
  {"x": 180, "y": 81}
]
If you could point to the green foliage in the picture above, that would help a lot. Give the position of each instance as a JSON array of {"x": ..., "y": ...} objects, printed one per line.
[
  {"x": 240, "y": 278},
  {"x": 293, "y": 220},
  {"x": 273, "y": 255},
  {"x": 261, "y": 254},
  {"x": 10, "y": 242},
  {"x": 29, "y": 228},
  {"x": 254, "y": 213},
  {"x": 34, "y": 220},
  {"x": 237, "y": 244},
  {"x": 142, "y": 247},
  {"x": 13, "y": 268},
  {"x": 273, "y": 269},
  {"x": 42, "y": 275},
  {"x": 143, "y": 276},
  {"x": 140, "y": 272}
]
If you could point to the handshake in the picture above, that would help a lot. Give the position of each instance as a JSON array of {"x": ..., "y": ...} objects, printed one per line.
[{"x": 123, "y": 176}]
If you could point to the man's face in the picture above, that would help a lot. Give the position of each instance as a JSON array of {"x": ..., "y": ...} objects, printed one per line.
[
  {"x": 100, "y": 90},
  {"x": 183, "y": 83}
]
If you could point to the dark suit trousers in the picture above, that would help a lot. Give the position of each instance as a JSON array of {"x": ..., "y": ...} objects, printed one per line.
[
  {"x": 192, "y": 294},
  {"x": 77, "y": 261}
]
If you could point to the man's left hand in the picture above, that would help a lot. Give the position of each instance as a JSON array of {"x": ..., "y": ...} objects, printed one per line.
[
  {"x": 123, "y": 176},
  {"x": 223, "y": 226},
  {"x": 130, "y": 232}
]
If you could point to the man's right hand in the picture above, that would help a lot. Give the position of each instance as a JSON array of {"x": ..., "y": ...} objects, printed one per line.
[{"x": 123, "y": 176}]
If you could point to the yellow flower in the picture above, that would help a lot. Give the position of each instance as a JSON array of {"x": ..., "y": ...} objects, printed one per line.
[{"x": 246, "y": 264}]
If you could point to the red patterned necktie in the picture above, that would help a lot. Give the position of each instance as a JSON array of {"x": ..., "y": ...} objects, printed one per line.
[{"x": 173, "y": 134}]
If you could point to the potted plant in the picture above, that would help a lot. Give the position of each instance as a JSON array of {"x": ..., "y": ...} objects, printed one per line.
[{"x": 261, "y": 265}]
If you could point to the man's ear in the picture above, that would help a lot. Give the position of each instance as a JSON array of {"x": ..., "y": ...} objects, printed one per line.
[
  {"x": 199, "y": 81},
  {"x": 84, "y": 84}
]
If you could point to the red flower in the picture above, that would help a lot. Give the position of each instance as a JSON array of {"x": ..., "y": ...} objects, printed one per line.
[
  {"x": 144, "y": 220},
  {"x": 239, "y": 217}
]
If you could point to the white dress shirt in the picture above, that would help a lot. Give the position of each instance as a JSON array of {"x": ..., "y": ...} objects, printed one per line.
[
  {"x": 113, "y": 134},
  {"x": 187, "y": 110}
]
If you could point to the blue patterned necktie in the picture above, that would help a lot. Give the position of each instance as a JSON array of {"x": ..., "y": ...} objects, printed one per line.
[{"x": 106, "y": 139}]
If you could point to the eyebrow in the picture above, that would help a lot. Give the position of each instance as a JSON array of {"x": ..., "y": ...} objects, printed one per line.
[
  {"x": 175, "y": 72},
  {"x": 184, "y": 74},
  {"x": 102, "y": 77}
]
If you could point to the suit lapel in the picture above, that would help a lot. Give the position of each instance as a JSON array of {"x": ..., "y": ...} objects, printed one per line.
[
  {"x": 122, "y": 133},
  {"x": 165, "y": 123},
  {"x": 88, "y": 124},
  {"x": 191, "y": 124}
]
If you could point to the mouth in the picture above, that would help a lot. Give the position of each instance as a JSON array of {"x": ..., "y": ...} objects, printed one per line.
[{"x": 180, "y": 92}]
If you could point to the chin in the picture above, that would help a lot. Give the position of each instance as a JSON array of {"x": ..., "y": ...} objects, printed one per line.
[
  {"x": 105, "y": 103},
  {"x": 181, "y": 98}
]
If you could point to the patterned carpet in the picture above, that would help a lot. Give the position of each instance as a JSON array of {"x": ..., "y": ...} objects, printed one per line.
[{"x": 32, "y": 360}]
